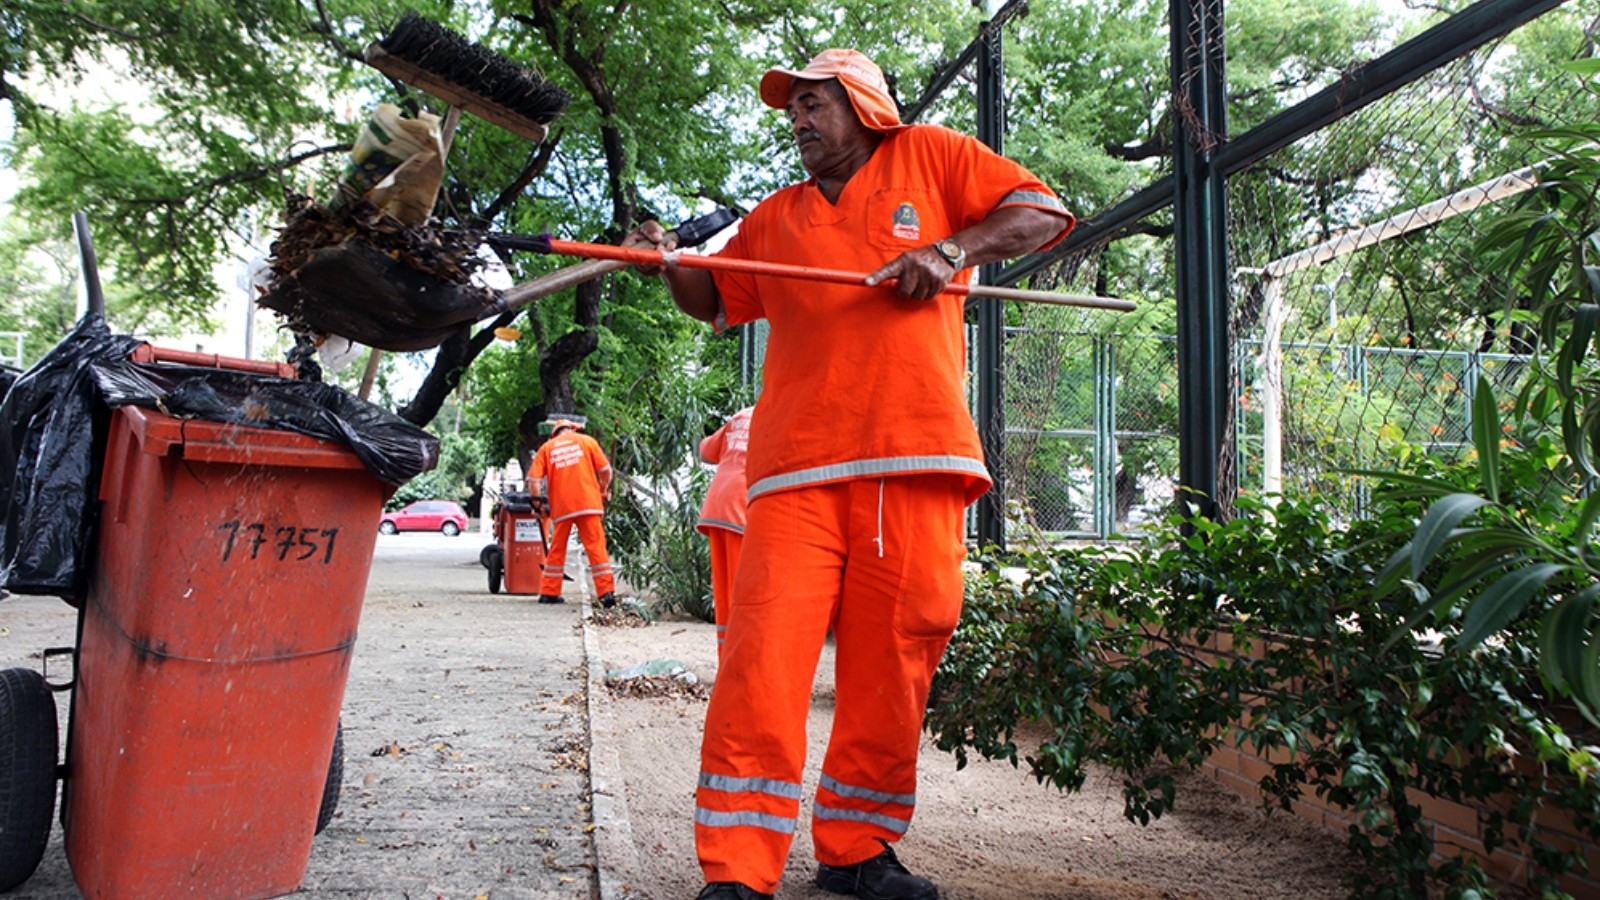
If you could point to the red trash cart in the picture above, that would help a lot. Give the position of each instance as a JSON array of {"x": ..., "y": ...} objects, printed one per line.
[
  {"x": 214, "y": 644},
  {"x": 517, "y": 555}
]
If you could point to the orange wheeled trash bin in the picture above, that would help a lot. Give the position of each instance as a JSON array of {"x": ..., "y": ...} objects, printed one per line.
[
  {"x": 518, "y": 556},
  {"x": 215, "y": 644}
]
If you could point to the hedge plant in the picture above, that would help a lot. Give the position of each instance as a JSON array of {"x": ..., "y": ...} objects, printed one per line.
[{"x": 1263, "y": 631}]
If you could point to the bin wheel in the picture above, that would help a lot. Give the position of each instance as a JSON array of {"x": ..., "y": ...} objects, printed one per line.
[
  {"x": 450, "y": 529},
  {"x": 497, "y": 571},
  {"x": 335, "y": 782},
  {"x": 487, "y": 553},
  {"x": 28, "y": 747}
]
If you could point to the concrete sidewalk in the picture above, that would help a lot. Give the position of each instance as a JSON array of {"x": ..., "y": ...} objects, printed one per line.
[{"x": 467, "y": 761}]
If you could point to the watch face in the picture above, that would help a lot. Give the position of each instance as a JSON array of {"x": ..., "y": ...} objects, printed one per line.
[{"x": 951, "y": 251}]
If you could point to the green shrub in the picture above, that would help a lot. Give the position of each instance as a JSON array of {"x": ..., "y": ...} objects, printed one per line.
[
  {"x": 1263, "y": 631},
  {"x": 661, "y": 552}
]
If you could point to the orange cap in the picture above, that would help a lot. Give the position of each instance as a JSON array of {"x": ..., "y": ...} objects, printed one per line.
[{"x": 862, "y": 80}]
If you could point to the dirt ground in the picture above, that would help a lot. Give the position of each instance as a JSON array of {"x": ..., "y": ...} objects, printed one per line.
[{"x": 988, "y": 832}]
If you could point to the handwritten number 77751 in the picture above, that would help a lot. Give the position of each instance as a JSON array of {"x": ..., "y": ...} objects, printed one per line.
[{"x": 287, "y": 543}]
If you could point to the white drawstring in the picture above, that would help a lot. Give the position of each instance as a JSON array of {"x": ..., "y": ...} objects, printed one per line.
[{"x": 879, "y": 539}]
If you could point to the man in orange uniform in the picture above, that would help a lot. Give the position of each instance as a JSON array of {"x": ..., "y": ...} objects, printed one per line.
[
  {"x": 860, "y": 467},
  {"x": 722, "y": 515},
  {"x": 572, "y": 474}
]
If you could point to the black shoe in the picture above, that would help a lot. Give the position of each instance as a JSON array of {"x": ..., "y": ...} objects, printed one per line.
[
  {"x": 608, "y": 600},
  {"x": 551, "y": 598},
  {"x": 731, "y": 890},
  {"x": 879, "y": 878}
]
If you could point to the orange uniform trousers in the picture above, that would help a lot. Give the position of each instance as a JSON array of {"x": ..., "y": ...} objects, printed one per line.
[
  {"x": 878, "y": 563},
  {"x": 725, "y": 546},
  {"x": 593, "y": 536}
]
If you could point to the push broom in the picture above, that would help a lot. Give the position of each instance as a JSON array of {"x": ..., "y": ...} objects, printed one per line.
[{"x": 468, "y": 76}]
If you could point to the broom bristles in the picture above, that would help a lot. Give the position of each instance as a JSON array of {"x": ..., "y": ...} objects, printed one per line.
[{"x": 474, "y": 67}]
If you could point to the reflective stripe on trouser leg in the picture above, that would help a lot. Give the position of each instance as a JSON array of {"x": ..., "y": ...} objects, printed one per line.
[
  {"x": 725, "y": 546},
  {"x": 791, "y": 567},
  {"x": 555, "y": 558},
  {"x": 593, "y": 535},
  {"x": 895, "y": 617}
]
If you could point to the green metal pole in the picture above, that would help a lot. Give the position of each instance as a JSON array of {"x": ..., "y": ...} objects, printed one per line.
[
  {"x": 1201, "y": 216},
  {"x": 991, "y": 316}
]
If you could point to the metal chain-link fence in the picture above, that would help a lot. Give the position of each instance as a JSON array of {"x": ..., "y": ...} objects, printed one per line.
[{"x": 1362, "y": 315}]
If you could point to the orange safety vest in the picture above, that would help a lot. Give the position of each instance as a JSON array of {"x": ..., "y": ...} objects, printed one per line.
[
  {"x": 725, "y": 502},
  {"x": 573, "y": 472},
  {"x": 858, "y": 382}
]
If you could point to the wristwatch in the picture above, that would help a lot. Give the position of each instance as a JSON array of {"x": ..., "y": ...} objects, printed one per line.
[{"x": 953, "y": 253}]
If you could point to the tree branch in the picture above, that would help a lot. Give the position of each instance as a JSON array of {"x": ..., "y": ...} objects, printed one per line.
[
  {"x": 118, "y": 32},
  {"x": 190, "y": 192},
  {"x": 538, "y": 162}
]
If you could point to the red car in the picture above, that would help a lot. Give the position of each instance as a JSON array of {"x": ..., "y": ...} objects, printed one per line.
[{"x": 425, "y": 515}]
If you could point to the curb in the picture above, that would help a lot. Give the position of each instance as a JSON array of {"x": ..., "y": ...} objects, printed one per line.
[{"x": 616, "y": 857}]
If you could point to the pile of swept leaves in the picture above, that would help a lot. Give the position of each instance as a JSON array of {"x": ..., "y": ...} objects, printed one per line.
[
  {"x": 443, "y": 253},
  {"x": 623, "y": 615},
  {"x": 642, "y": 687}
]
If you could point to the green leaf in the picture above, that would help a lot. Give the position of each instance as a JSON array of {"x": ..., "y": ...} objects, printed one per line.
[
  {"x": 1421, "y": 485},
  {"x": 1440, "y": 601},
  {"x": 1474, "y": 570},
  {"x": 1503, "y": 601},
  {"x": 1575, "y": 442},
  {"x": 1561, "y": 639},
  {"x": 1486, "y": 437},
  {"x": 1393, "y": 572},
  {"x": 1588, "y": 512},
  {"x": 1587, "y": 678},
  {"x": 1576, "y": 347},
  {"x": 1437, "y": 526}
]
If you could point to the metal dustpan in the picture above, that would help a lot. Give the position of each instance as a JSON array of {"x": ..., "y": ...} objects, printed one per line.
[
  {"x": 372, "y": 296},
  {"x": 354, "y": 290}
]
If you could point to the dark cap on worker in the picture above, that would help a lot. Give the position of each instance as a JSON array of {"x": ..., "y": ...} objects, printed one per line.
[{"x": 862, "y": 80}]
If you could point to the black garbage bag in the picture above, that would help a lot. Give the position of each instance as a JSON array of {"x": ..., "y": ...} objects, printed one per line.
[
  {"x": 392, "y": 449},
  {"x": 55, "y": 418},
  {"x": 520, "y": 502},
  {"x": 52, "y": 443}
]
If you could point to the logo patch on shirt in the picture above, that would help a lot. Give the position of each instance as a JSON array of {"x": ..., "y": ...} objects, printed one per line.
[{"x": 907, "y": 224}]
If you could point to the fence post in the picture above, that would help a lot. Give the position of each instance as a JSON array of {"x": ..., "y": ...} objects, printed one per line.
[
  {"x": 1200, "y": 250},
  {"x": 1105, "y": 437},
  {"x": 991, "y": 315}
]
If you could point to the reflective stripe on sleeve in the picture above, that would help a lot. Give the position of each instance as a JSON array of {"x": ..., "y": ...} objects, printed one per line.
[{"x": 1032, "y": 198}]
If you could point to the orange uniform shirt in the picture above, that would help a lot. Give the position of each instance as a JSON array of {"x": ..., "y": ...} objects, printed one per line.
[
  {"x": 859, "y": 383},
  {"x": 725, "y": 502},
  {"x": 571, "y": 470}
]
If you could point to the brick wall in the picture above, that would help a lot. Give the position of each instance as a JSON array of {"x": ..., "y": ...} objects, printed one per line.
[{"x": 1455, "y": 826}]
